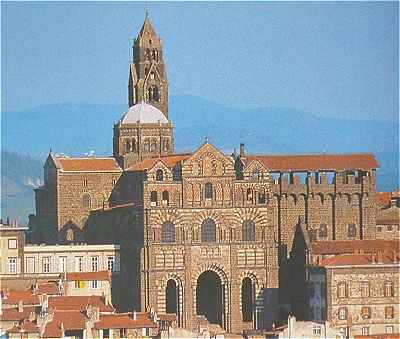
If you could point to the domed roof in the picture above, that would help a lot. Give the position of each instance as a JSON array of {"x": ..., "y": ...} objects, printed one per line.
[{"x": 144, "y": 113}]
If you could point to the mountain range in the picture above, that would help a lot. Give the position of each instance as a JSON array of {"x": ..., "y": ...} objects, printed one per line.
[{"x": 75, "y": 129}]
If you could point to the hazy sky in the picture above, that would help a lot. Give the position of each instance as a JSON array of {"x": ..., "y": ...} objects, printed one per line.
[{"x": 334, "y": 59}]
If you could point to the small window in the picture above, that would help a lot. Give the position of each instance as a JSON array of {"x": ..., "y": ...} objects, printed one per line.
[
  {"x": 389, "y": 312},
  {"x": 389, "y": 228},
  {"x": 12, "y": 265},
  {"x": 93, "y": 284},
  {"x": 12, "y": 244},
  {"x": 342, "y": 313},
  {"x": 78, "y": 264},
  {"x": 85, "y": 183},
  {"x": 168, "y": 232},
  {"x": 366, "y": 312},
  {"x": 122, "y": 332},
  {"x": 95, "y": 263},
  {"x": 342, "y": 290},
  {"x": 165, "y": 198},
  {"x": 153, "y": 198},
  {"x": 249, "y": 195},
  {"x": 323, "y": 231},
  {"x": 46, "y": 265},
  {"x": 86, "y": 200},
  {"x": 208, "y": 190},
  {"x": 159, "y": 175},
  {"x": 317, "y": 330},
  {"x": 388, "y": 292},
  {"x": 389, "y": 329},
  {"x": 365, "y": 289},
  {"x": 255, "y": 175},
  {"x": 261, "y": 199},
  {"x": 110, "y": 263},
  {"x": 79, "y": 284},
  {"x": 351, "y": 231},
  {"x": 248, "y": 230},
  {"x": 379, "y": 229}
]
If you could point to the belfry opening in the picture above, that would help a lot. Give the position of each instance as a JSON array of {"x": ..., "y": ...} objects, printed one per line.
[{"x": 209, "y": 297}]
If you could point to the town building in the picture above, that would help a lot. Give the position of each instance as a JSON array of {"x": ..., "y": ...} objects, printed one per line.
[
  {"x": 205, "y": 222},
  {"x": 357, "y": 292}
]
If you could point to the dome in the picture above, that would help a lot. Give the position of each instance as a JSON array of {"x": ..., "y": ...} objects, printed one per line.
[{"x": 144, "y": 113}]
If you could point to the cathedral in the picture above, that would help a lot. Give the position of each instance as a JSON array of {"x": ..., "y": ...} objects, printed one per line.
[{"x": 205, "y": 235}]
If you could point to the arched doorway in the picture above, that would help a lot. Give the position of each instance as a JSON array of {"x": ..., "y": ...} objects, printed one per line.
[
  {"x": 172, "y": 299},
  {"x": 209, "y": 296},
  {"x": 247, "y": 300}
]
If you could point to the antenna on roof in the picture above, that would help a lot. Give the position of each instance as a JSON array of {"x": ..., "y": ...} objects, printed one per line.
[{"x": 206, "y": 139}]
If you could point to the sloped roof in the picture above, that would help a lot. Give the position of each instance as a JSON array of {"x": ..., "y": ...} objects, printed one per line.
[
  {"x": 351, "y": 246},
  {"x": 13, "y": 314},
  {"x": 71, "y": 320},
  {"x": 353, "y": 260},
  {"x": 88, "y": 164},
  {"x": 383, "y": 198},
  {"x": 125, "y": 320},
  {"x": 66, "y": 303},
  {"x": 144, "y": 113},
  {"x": 88, "y": 276},
  {"x": 168, "y": 160},
  {"x": 49, "y": 288},
  {"x": 14, "y": 297},
  {"x": 26, "y": 327},
  {"x": 314, "y": 162}
]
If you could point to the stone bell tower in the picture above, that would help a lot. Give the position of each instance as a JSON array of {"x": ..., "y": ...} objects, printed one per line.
[{"x": 147, "y": 74}]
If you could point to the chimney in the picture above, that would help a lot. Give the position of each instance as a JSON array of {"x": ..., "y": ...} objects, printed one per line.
[
  {"x": 20, "y": 306},
  {"x": 134, "y": 315},
  {"x": 241, "y": 150}
]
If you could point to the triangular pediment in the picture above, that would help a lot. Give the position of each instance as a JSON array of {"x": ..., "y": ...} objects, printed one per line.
[{"x": 208, "y": 161}]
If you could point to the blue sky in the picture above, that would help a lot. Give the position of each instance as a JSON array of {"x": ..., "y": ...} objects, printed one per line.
[{"x": 334, "y": 59}]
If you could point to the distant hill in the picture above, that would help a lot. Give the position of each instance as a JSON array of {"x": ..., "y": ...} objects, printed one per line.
[{"x": 75, "y": 129}]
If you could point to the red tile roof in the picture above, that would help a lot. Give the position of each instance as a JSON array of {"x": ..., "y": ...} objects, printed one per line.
[
  {"x": 87, "y": 276},
  {"x": 314, "y": 162},
  {"x": 13, "y": 314},
  {"x": 166, "y": 317},
  {"x": 25, "y": 327},
  {"x": 352, "y": 246},
  {"x": 14, "y": 297},
  {"x": 354, "y": 259},
  {"x": 169, "y": 161},
  {"x": 378, "y": 336},
  {"x": 77, "y": 303},
  {"x": 383, "y": 198},
  {"x": 125, "y": 320},
  {"x": 49, "y": 288},
  {"x": 71, "y": 320},
  {"x": 88, "y": 164}
]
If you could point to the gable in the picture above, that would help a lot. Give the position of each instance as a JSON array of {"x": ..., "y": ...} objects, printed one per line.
[
  {"x": 159, "y": 165},
  {"x": 208, "y": 161}
]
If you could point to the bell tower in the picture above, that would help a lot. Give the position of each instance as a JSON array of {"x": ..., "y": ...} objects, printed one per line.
[{"x": 147, "y": 74}]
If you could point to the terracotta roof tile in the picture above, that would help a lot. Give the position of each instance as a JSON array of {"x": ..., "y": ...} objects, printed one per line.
[
  {"x": 88, "y": 164},
  {"x": 49, "y": 288},
  {"x": 389, "y": 216},
  {"x": 354, "y": 259},
  {"x": 169, "y": 161},
  {"x": 383, "y": 198},
  {"x": 87, "y": 276},
  {"x": 314, "y": 162},
  {"x": 66, "y": 303},
  {"x": 167, "y": 317},
  {"x": 14, "y": 297},
  {"x": 378, "y": 336},
  {"x": 125, "y": 320},
  {"x": 12, "y": 314},
  {"x": 71, "y": 320},
  {"x": 352, "y": 246}
]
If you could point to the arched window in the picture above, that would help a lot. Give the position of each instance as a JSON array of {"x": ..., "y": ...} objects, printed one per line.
[
  {"x": 166, "y": 145},
  {"x": 128, "y": 146},
  {"x": 248, "y": 230},
  {"x": 168, "y": 232},
  {"x": 153, "y": 198},
  {"x": 261, "y": 198},
  {"x": 323, "y": 231},
  {"x": 388, "y": 289},
  {"x": 87, "y": 200},
  {"x": 255, "y": 175},
  {"x": 156, "y": 94},
  {"x": 208, "y": 231},
  {"x": 351, "y": 231},
  {"x": 159, "y": 175},
  {"x": 165, "y": 198},
  {"x": 146, "y": 146},
  {"x": 133, "y": 145},
  {"x": 247, "y": 300},
  {"x": 249, "y": 194},
  {"x": 208, "y": 190}
]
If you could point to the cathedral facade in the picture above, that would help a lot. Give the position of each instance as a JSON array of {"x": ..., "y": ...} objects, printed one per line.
[{"x": 208, "y": 236}]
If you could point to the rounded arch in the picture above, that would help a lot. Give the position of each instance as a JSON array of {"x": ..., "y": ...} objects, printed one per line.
[
  {"x": 247, "y": 294},
  {"x": 320, "y": 198},
  {"x": 208, "y": 190},
  {"x": 159, "y": 175},
  {"x": 215, "y": 268}
]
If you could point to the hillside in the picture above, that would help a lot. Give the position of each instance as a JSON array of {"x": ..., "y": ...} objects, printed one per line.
[{"x": 75, "y": 129}]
